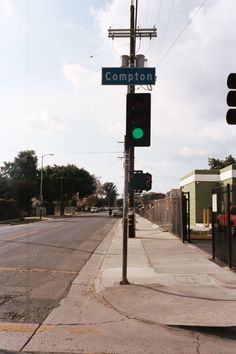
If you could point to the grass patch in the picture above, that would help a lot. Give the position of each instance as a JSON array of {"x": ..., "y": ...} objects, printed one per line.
[{"x": 19, "y": 222}]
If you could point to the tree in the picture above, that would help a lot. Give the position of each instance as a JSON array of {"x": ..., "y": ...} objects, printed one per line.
[
  {"x": 23, "y": 192},
  {"x": 4, "y": 187},
  {"x": 146, "y": 198},
  {"x": 217, "y": 164},
  {"x": 61, "y": 183},
  {"x": 111, "y": 194},
  {"x": 19, "y": 179},
  {"x": 24, "y": 166}
]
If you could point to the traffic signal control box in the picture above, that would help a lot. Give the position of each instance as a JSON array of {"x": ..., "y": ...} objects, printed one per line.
[{"x": 138, "y": 119}]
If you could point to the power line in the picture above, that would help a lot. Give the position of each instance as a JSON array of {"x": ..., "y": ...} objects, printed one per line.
[
  {"x": 158, "y": 11},
  {"x": 181, "y": 32},
  {"x": 88, "y": 152},
  {"x": 63, "y": 152},
  {"x": 167, "y": 23}
]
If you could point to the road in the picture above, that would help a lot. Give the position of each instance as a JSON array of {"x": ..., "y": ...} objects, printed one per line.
[{"x": 38, "y": 262}]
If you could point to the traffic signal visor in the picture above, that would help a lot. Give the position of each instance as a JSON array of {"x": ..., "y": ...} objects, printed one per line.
[
  {"x": 231, "y": 81},
  {"x": 231, "y": 99}
]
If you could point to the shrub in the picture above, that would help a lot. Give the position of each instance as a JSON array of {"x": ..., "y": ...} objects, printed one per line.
[{"x": 8, "y": 209}]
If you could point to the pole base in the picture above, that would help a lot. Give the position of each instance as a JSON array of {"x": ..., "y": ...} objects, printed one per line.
[{"x": 124, "y": 282}]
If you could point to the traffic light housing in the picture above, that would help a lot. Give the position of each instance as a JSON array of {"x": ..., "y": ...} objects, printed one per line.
[
  {"x": 138, "y": 119},
  {"x": 231, "y": 99},
  {"x": 148, "y": 181},
  {"x": 141, "y": 181}
]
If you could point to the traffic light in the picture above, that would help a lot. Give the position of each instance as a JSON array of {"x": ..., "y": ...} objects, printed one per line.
[
  {"x": 231, "y": 99},
  {"x": 141, "y": 181},
  {"x": 138, "y": 119},
  {"x": 148, "y": 181}
]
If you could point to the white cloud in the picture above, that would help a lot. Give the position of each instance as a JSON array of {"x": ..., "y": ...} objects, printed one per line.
[
  {"x": 7, "y": 7},
  {"x": 81, "y": 77},
  {"x": 43, "y": 122},
  {"x": 188, "y": 100},
  {"x": 98, "y": 104},
  {"x": 114, "y": 15},
  {"x": 189, "y": 152},
  {"x": 52, "y": 121}
]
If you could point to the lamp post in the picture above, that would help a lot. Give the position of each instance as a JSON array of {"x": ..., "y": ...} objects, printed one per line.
[{"x": 41, "y": 185}]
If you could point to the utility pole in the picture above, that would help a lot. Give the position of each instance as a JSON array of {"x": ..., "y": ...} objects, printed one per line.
[
  {"x": 129, "y": 211},
  {"x": 41, "y": 185},
  {"x": 129, "y": 167},
  {"x": 124, "y": 280},
  {"x": 131, "y": 89}
]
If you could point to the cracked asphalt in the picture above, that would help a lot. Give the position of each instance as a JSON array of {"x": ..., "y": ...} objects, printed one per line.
[
  {"x": 99, "y": 316},
  {"x": 39, "y": 261}
]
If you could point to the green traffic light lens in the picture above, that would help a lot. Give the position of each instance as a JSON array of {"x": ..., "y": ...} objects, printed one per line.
[{"x": 138, "y": 133}]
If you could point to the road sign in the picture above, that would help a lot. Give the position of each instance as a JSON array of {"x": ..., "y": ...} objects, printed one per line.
[{"x": 128, "y": 76}]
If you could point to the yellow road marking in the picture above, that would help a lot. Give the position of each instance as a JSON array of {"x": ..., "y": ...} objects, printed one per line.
[
  {"x": 17, "y": 327},
  {"x": 30, "y": 328},
  {"x": 19, "y": 236},
  {"x": 45, "y": 328},
  {"x": 39, "y": 270},
  {"x": 25, "y": 234},
  {"x": 71, "y": 329},
  {"x": 84, "y": 330}
]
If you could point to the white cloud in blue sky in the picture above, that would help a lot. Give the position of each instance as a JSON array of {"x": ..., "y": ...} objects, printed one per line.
[
  {"x": 7, "y": 6},
  {"x": 52, "y": 99}
]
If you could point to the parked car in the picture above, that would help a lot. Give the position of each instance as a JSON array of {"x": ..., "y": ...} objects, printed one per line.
[
  {"x": 94, "y": 210},
  {"x": 222, "y": 220},
  {"x": 117, "y": 212}
]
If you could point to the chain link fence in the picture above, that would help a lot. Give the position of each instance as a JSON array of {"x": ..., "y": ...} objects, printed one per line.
[{"x": 171, "y": 214}]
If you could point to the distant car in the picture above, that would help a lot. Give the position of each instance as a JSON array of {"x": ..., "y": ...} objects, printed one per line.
[
  {"x": 94, "y": 210},
  {"x": 117, "y": 213}
]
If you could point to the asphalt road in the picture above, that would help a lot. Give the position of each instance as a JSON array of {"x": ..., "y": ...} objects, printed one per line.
[{"x": 39, "y": 261}]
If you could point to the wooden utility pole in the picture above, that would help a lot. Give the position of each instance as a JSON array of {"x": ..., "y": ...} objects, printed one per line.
[
  {"x": 131, "y": 89},
  {"x": 129, "y": 209}
]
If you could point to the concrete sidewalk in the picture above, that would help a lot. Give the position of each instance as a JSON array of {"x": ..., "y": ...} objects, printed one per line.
[{"x": 171, "y": 284}]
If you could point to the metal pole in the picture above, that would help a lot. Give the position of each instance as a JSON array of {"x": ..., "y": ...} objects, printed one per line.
[
  {"x": 128, "y": 173},
  {"x": 41, "y": 185},
  {"x": 41, "y": 189},
  {"x": 62, "y": 197},
  {"x": 188, "y": 217},
  {"x": 131, "y": 89},
  {"x": 124, "y": 280},
  {"x": 129, "y": 152},
  {"x": 229, "y": 227},
  {"x": 213, "y": 225}
]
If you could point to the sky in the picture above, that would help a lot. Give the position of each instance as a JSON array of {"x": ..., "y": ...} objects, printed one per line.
[{"x": 52, "y": 100}]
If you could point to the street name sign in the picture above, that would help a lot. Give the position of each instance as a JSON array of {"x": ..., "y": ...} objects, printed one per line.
[{"x": 128, "y": 76}]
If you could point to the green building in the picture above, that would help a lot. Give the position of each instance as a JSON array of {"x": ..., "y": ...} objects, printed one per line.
[{"x": 199, "y": 184}]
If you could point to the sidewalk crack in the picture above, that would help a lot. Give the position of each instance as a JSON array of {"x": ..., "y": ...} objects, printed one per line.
[
  {"x": 29, "y": 339},
  {"x": 198, "y": 344}
]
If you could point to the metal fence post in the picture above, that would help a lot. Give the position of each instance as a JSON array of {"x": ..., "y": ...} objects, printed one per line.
[{"x": 229, "y": 227}]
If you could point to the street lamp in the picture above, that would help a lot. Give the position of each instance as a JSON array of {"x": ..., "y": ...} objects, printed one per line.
[{"x": 41, "y": 185}]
